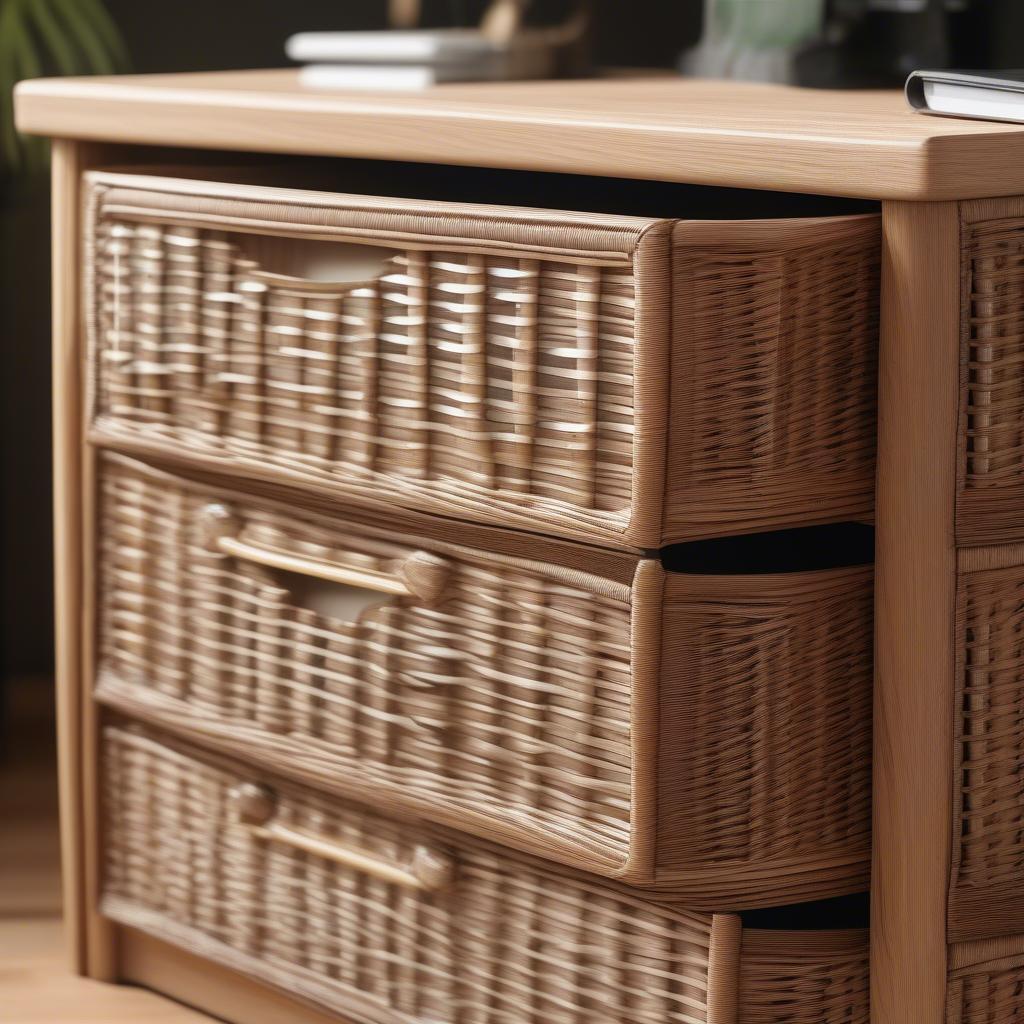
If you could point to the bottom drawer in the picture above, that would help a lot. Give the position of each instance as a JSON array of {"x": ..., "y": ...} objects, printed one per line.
[
  {"x": 387, "y": 920},
  {"x": 986, "y": 982}
]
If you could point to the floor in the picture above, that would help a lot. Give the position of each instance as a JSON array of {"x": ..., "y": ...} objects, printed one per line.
[{"x": 36, "y": 986}]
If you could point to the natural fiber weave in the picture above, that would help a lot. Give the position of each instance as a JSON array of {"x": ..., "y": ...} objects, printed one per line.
[
  {"x": 706, "y": 737},
  {"x": 991, "y": 478},
  {"x": 986, "y": 982},
  {"x": 507, "y": 366},
  {"x": 988, "y": 785},
  {"x": 506, "y": 940}
]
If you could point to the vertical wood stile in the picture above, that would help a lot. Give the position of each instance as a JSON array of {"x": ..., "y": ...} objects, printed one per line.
[
  {"x": 723, "y": 969},
  {"x": 915, "y": 597},
  {"x": 91, "y": 939}
]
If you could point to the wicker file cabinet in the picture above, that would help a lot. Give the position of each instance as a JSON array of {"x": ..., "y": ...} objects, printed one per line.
[{"x": 468, "y": 610}]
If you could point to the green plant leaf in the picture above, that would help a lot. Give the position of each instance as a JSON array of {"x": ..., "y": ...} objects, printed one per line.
[
  {"x": 54, "y": 37},
  {"x": 27, "y": 64},
  {"x": 107, "y": 31},
  {"x": 9, "y": 18},
  {"x": 97, "y": 59},
  {"x": 69, "y": 36}
]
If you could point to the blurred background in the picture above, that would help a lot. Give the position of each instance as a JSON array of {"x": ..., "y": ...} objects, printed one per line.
[{"x": 820, "y": 43}]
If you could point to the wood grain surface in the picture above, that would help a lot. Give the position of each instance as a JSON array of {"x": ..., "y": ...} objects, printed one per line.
[
  {"x": 914, "y": 615},
  {"x": 852, "y": 143}
]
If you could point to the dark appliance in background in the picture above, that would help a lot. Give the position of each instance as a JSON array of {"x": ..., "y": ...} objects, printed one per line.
[{"x": 875, "y": 44}]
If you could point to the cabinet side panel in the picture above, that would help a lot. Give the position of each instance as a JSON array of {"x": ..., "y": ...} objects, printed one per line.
[
  {"x": 990, "y": 492},
  {"x": 92, "y": 947}
]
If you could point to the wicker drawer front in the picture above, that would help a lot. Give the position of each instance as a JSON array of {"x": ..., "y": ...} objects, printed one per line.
[
  {"x": 991, "y": 434},
  {"x": 988, "y": 786},
  {"x": 507, "y": 366},
  {"x": 986, "y": 982},
  {"x": 521, "y": 700},
  {"x": 386, "y": 920}
]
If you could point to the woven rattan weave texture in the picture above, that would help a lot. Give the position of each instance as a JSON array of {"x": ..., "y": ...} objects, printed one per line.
[
  {"x": 987, "y": 788},
  {"x": 706, "y": 736},
  {"x": 991, "y": 478},
  {"x": 985, "y": 981},
  {"x": 508, "y": 366},
  {"x": 324, "y": 899}
]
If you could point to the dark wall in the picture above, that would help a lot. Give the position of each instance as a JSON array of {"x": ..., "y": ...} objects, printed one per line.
[{"x": 193, "y": 35}]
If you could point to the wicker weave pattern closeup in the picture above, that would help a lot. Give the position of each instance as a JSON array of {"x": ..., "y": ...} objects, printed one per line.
[
  {"x": 813, "y": 963},
  {"x": 988, "y": 851},
  {"x": 503, "y": 940},
  {"x": 523, "y": 704},
  {"x": 992, "y": 414},
  {"x": 783, "y": 661},
  {"x": 986, "y": 981},
  {"x": 503, "y": 366},
  {"x": 777, "y": 347},
  {"x": 507, "y": 699}
]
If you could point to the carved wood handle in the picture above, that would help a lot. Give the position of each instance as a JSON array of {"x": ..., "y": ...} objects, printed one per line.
[
  {"x": 421, "y": 575},
  {"x": 429, "y": 869}
]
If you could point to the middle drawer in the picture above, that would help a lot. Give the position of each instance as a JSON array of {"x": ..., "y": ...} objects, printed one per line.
[{"x": 703, "y": 736}]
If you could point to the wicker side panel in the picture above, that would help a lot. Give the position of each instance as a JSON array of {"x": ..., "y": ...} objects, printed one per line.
[
  {"x": 986, "y": 982},
  {"x": 986, "y": 894},
  {"x": 991, "y": 435},
  {"x": 764, "y": 751},
  {"x": 503, "y": 707},
  {"x": 804, "y": 978},
  {"x": 505, "y": 942},
  {"x": 496, "y": 382},
  {"x": 774, "y": 367}
]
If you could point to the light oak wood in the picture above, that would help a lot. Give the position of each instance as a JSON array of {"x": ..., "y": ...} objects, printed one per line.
[
  {"x": 67, "y": 535},
  {"x": 914, "y": 610},
  {"x": 37, "y": 985},
  {"x": 209, "y": 987},
  {"x": 90, "y": 936},
  {"x": 723, "y": 134},
  {"x": 38, "y": 988},
  {"x": 848, "y": 143}
]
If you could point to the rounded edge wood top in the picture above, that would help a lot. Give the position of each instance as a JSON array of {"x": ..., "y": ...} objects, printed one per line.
[{"x": 734, "y": 134}]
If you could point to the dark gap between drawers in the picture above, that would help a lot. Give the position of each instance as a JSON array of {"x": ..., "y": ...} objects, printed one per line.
[
  {"x": 838, "y": 913},
  {"x": 803, "y": 549},
  {"x": 449, "y": 183}
]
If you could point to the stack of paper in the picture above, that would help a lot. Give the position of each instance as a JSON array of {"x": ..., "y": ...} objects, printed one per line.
[{"x": 418, "y": 58}]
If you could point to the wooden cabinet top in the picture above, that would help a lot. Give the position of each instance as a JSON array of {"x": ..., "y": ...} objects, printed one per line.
[{"x": 855, "y": 143}]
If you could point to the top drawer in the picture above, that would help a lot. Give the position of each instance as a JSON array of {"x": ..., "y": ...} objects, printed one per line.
[{"x": 618, "y": 380}]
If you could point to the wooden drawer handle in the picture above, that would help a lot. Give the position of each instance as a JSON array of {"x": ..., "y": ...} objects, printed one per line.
[
  {"x": 255, "y": 805},
  {"x": 421, "y": 575}
]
